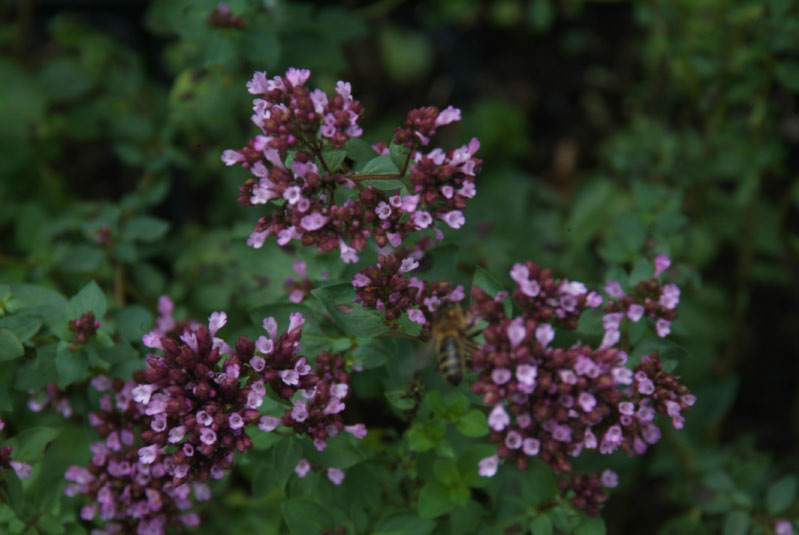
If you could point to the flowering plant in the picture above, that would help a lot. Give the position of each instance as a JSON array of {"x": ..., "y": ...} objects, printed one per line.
[{"x": 342, "y": 418}]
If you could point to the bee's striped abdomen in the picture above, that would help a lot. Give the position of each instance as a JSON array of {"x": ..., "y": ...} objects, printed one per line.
[{"x": 450, "y": 359}]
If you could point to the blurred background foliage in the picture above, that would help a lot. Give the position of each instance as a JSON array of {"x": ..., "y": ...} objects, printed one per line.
[{"x": 609, "y": 131}]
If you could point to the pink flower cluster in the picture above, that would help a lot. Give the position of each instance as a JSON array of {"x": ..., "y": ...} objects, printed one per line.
[
  {"x": 292, "y": 117},
  {"x": 554, "y": 403},
  {"x": 649, "y": 298},
  {"x": 385, "y": 287},
  {"x": 84, "y": 328},
  {"x": 183, "y": 417},
  {"x": 550, "y": 300},
  {"x": 317, "y": 411},
  {"x": 129, "y": 493}
]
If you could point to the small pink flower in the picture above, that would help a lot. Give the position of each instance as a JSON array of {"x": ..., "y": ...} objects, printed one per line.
[
  {"x": 635, "y": 312},
  {"x": 526, "y": 374},
  {"x": 416, "y": 316},
  {"x": 662, "y": 263},
  {"x": 513, "y": 440},
  {"x": 265, "y": 346},
  {"x": 313, "y": 221},
  {"x": 516, "y": 332},
  {"x": 544, "y": 333},
  {"x": 408, "y": 264},
  {"x": 348, "y": 254},
  {"x": 383, "y": 210},
  {"x": 524, "y": 420},
  {"x": 23, "y": 470},
  {"x": 258, "y": 363},
  {"x": 299, "y": 412},
  {"x": 610, "y": 479},
  {"x": 500, "y": 376},
  {"x": 457, "y": 294},
  {"x": 302, "y": 468},
  {"x": 268, "y": 423},
  {"x": 531, "y": 446},
  {"x": 783, "y": 527},
  {"x": 498, "y": 419},
  {"x": 335, "y": 475},
  {"x": 207, "y": 436},
  {"x": 421, "y": 220},
  {"x": 176, "y": 434},
  {"x": 447, "y": 191},
  {"x": 357, "y": 430},
  {"x": 394, "y": 238},
  {"x": 409, "y": 203},
  {"x": 663, "y": 327},
  {"x": 360, "y": 280},
  {"x": 467, "y": 190},
  {"x": 235, "y": 421},
  {"x": 587, "y": 401},
  {"x": 454, "y": 219},
  {"x": 670, "y": 296},
  {"x": 148, "y": 454},
  {"x": 610, "y": 339},
  {"x": 296, "y": 320},
  {"x": 488, "y": 466},
  {"x": 613, "y": 289},
  {"x": 593, "y": 300},
  {"x": 447, "y": 116}
]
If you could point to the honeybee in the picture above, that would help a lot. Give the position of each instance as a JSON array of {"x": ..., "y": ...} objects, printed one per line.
[{"x": 449, "y": 334}]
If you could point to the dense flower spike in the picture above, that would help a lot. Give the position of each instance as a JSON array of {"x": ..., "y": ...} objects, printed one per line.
[
  {"x": 292, "y": 117},
  {"x": 183, "y": 418},
  {"x": 552, "y": 403}
]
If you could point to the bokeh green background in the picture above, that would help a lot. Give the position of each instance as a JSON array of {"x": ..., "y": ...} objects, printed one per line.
[{"x": 609, "y": 131}]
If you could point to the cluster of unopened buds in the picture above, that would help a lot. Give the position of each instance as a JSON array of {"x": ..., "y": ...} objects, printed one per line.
[
  {"x": 304, "y": 191},
  {"x": 182, "y": 419},
  {"x": 221, "y": 17},
  {"x": 84, "y": 328},
  {"x": 554, "y": 403},
  {"x": 23, "y": 470}
]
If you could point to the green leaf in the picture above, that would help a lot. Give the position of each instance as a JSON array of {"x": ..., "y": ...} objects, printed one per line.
[
  {"x": 144, "y": 228},
  {"x": 386, "y": 184},
  {"x": 400, "y": 399},
  {"x": 539, "y": 484},
  {"x": 261, "y": 440},
  {"x": 70, "y": 365},
  {"x": 90, "y": 297},
  {"x": 434, "y": 500},
  {"x": 399, "y": 155},
  {"x": 353, "y": 318},
  {"x": 23, "y": 325},
  {"x": 541, "y": 525},
  {"x": 285, "y": 456},
  {"x": 736, "y": 523},
  {"x": 12, "y": 491},
  {"x": 591, "y": 525},
  {"x": 333, "y": 159},
  {"x": 643, "y": 270},
  {"x": 50, "y": 524},
  {"x": 306, "y": 517},
  {"x": 486, "y": 282},
  {"x": 446, "y": 472},
  {"x": 10, "y": 348},
  {"x": 788, "y": 74},
  {"x": 379, "y": 165},
  {"x": 45, "y": 302},
  {"x": 359, "y": 150},
  {"x": 29, "y": 445},
  {"x": 473, "y": 424},
  {"x": 404, "y": 524},
  {"x": 436, "y": 402},
  {"x": 781, "y": 495},
  {"x": 40, "y": 371},
  {"x": 133, "y": 322},
  {"x": 342, "y": 451}
]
